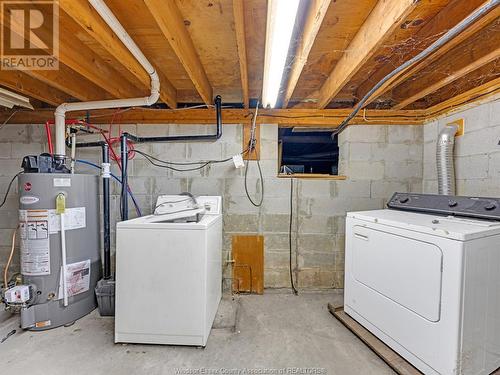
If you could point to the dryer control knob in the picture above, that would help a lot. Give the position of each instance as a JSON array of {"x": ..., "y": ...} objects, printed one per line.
[
  {"x": 490, "y": 206},
  {"x": 452, "y": 203},
  {"x": 404, "y": 199}
]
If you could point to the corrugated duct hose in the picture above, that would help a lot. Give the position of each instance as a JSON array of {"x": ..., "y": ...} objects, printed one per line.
[
  {"x": 445, "y": 161},
  {"x": 454, "y": 31}
]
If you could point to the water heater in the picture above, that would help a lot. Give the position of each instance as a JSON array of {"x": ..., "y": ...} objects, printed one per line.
[{"x": 58, "y": 295}]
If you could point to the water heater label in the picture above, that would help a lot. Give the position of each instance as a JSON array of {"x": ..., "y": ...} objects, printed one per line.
[
  {"x": 28, "y": 199},
  {"x": 77, "y": 279},
  {"x": 35, "y": 245},
  {"x": 74, "y": 218},
  {"x": 62, "y": 182}
]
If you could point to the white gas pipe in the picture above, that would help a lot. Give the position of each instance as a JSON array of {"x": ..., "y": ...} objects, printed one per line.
[{"x": 114, "y": 24}]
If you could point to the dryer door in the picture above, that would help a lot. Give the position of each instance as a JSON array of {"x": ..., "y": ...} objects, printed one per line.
[{"x": 402, "y": 269}]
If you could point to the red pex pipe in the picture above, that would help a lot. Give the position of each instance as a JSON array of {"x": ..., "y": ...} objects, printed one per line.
[
  {"x": 49, "y": 138},
  {"x": 48, "y": 123}
]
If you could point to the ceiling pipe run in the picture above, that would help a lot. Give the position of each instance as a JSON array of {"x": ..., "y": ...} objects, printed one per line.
[
  {"x": 445, "y": 160},
  {"x": 61, "y": 110}
]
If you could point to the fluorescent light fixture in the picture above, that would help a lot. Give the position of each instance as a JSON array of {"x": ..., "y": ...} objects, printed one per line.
[
  {"x": 9, "y": 99},
  {"x": 281, "y": 16}
]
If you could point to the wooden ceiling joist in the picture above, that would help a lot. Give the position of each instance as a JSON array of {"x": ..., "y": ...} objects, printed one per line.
[
  {"x": 328, "y": 118},
  {"x": 83, "y": 60},
  {"x": 170, "y": 21},
  {"x": 384, "y": 18},
  {"x": 453, "y": 13},
  {"x": 83, "y": 14},
  {"x": 449, "y": 79},
  {"x": 316, "y": 13},
  {"x": 477, "y": 94},
  {"x": 66, "y": 80},
  {"x": 239, "y": 26},
  {"x": 478, "y": 51},
  {"x": 24, "y": 84},
  {"x": 80, "y": 58}
]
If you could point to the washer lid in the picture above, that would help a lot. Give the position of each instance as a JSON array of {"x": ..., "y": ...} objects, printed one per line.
[
  {"x": 144, "y": 222},
  {"x": 453, "y": 227}
]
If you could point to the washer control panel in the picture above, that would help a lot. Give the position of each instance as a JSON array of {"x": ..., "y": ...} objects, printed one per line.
[{"x": 477, "y": 207}]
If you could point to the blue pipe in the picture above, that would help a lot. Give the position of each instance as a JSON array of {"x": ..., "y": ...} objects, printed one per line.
[{"x": 138, "y": 210}]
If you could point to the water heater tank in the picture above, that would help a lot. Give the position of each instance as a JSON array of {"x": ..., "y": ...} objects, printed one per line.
[{"x": 40, "y": 242}]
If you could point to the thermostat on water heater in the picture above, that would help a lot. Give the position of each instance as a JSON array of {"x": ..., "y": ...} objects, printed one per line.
[{"x": 17, "y": 294}]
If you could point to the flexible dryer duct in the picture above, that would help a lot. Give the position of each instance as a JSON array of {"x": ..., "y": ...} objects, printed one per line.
[
  {"x": 60, "y": 113},
  {"x": 445, "y": 160}
]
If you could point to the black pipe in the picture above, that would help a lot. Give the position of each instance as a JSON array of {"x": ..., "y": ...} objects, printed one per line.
[
  {"x": 107, "y": 228},
  {"x": 176, "y": 138},
  {"x": 106, "y": 209},
  {"x": 124, "y": 159}
]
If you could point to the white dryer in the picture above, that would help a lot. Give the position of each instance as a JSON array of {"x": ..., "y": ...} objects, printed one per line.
[
  {"x": 169, "y": 273},
  {"x": 427, "y": 285}
]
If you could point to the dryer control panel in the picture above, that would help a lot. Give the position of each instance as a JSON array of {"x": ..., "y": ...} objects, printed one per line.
[{"x": 477, "y": 207}]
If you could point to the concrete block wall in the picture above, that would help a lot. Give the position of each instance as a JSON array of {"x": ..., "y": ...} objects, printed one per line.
[
  {"x": 376, "y": 159},
  {"x": 477, "y": 153}
]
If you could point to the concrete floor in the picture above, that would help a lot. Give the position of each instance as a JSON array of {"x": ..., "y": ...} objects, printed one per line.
[{"x": 274, "y": 331}]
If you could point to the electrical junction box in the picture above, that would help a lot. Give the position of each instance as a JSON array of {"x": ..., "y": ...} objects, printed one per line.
[{"x": 17, "y": 294}]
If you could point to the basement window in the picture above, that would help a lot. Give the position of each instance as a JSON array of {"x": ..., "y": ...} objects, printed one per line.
[{"x": 308, "y": 153}]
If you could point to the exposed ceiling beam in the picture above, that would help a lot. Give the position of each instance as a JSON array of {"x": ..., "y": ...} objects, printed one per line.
[
  {"x": 327, "y": 118},
  {"x": 383, "y": 19},
  {"x": 476, "y": 52},
  {"x": 171, "y": 23},
  {"x": 63, "y": 78},
  {"x": 84, "y": 14},
  {"x": 239, "y": 26},
  {"x": 66, "y": 80},
  {"x": 449, "y": 78},
  {"x": 77, "y": 56},
  {"x": 316, "y": 13},
  {"x": 26, "y": 85},
  {"x": 86, "y": 62},
  {"x": 446, "y": 19},
  {"x": 477, "y": 94}
]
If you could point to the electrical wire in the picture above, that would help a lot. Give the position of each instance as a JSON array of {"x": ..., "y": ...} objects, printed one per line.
[
  {"x": 9, "y": 261},
  {"x": 292, "y": 284},
  {"x": 168, "y": 164},
  {"x": 187, "y": 163},
  {"x": 8, "y": 188},
  {"x": 251, "y": 147},
  {"x": 261, "y": 200},
  {"x": 450, "y": 34},
  {"x": 8, "y": 118},
  {"x": 137, "y": 209}
]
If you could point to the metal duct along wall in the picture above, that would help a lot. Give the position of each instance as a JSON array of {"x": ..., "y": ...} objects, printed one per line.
[
  {"x": 40, "y": 236},
  {"x": 445, "y": 160}
]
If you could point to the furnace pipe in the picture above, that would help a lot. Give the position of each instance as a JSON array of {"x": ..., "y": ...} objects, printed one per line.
[
  {"x": 61, "y": 110},
  {"x": 445, "y": 160}
]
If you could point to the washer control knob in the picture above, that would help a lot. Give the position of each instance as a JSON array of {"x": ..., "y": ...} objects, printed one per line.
[
  {"x": 404, "y": 199},
  {"x": 490, "y": 206},
  {"x": 452, "y": 203}
]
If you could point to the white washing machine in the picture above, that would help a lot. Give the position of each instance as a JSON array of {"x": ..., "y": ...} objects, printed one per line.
[
  {"x": 428, "y": 285},
  {"x": 169, "y": 273}
]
